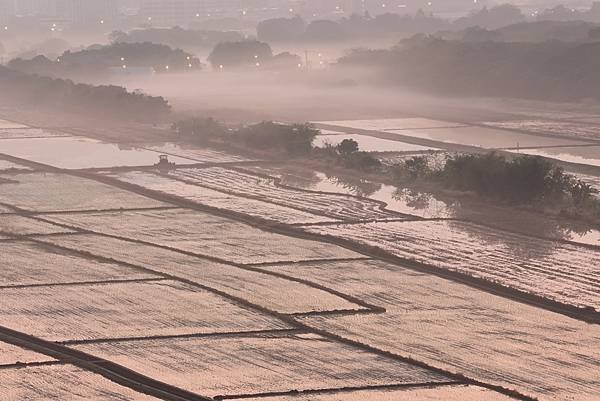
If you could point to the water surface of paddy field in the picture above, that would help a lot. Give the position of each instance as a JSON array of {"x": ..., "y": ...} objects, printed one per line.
[
  {"x": 62, "y": 382},
  {"x": 81, "y": 153},
  {"x": 393, "y": 124},
  {"x": 205, "y": 234},
  {"x": 30, "y": 263},
  {"x": 562, "y": 272},
  {"x": 577, "y": 130},
  {"x": 196, "y": 153},
  {"x": 12, "y": 355},
  {"x": 265, "y": 188},
  {"x": 488, "y": 138},
  {"x": 268, "y": 291},
  {"x": 218, "y": 199},
  {"x": 370, "y": 144},
  {"x": 132, "y": 309},
  {"x": 252, "y": 365},
  {"x": 49, "y": 192},
  {"x": 7, "y": 165},
  {"x": 462, "y": 329},
  {"x": 397, "y": 200},
  {"x": 5, "y": 124},
  {"x": 22, "y": 133},
  {"x": 587, "y": 155}
]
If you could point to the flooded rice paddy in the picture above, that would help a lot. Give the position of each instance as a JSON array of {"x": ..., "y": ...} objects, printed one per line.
[
  {"x": 460, "y": 134},
  {"x": 81, "y": 153},
  {"x": 558, "y": 271},
  {"x": 370, "y": 144},
  {"x": 394, "y": 124},
  {"x": 218, "y": 199},
  {"x": 266, "y": 189},
  {"x": 22, "y": 133},
  {"x": 485, "y": 137},
  {"x": 221, "y": 308},
  {"x": 586, "y": 155},
  {"x": 576, "y": 130}
]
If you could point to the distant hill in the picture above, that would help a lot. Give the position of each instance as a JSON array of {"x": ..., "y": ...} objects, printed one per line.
[
  {"x": 534, "y": 32},
  {"x": 548, "y": 70},
  {"x": 31, "y": 91}
]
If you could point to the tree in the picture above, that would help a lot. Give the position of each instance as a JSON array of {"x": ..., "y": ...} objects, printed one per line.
[
  {"x": 239, "y": 54},
  {"x": 347, "y": 147},
  {"x": 280, "y": 29},
  {"x": 324, "y": 31}
]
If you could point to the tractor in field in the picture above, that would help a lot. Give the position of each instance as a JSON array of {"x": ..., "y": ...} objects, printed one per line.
[{"x": 164, "y": 165}]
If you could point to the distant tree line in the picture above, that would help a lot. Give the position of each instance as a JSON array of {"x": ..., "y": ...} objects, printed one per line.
[
  {"x": 20, "y": 89},
  {"x": 97, "y": 61},
  {"x": 252, "y": 54},
  {"x": 176, "y": 37},
  {"x": 549, "y": 70},
  {"x": 358, "y": 27},
  {"x": 519, "y": 180},
  {"x": 267, "y": 136}
]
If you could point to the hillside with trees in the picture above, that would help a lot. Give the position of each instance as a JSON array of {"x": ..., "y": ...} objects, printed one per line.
[
  {"x": 548, "y": 71},
  {"x": 251, "y": 54},
  {"x": 176, "y": 37},
  {"x": 43, "y": 93},
  {"x": 98, "y": 62}
]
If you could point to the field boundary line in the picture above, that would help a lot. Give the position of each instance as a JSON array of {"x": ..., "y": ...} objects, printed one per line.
[
  {"x": 24, "y": 365},
  {"x": 85, "y": 283},
  {"x": 336, "y": 390},
  {"x": 272, "y": 333}
]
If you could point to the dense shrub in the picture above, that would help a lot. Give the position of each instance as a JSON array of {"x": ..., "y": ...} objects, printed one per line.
[
  {"x": 295, "y": 139},
  {"x": 523, "y": 179}
]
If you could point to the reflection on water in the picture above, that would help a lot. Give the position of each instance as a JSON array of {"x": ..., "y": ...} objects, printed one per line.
[
  {"x": 429, "y": 205},
  {"x": 371, "y": 144},
  {"x": 405, "y": 201},
  {"x": 79, "y": 153},
  {"x": 589, "y": 155},
  {"x": 488, "y": 138},
  {"x": 394, "y": 124}
]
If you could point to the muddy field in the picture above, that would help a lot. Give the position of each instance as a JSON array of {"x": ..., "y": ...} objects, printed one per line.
[
  {"x": 123, "y": 310},
  {"x": 28, "y": 263},
  {"x": 62, "y": 382},
  {"x": 446, "y": 393},
  {"x": 462, "y": 329},
  {"x": 12, "y": 355},
  {"x": 19, "y": 225},
  {"x": 48, "y": 192},
  {"x": 219, "y": 237},
  {"x": 255, "y": 365}
]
